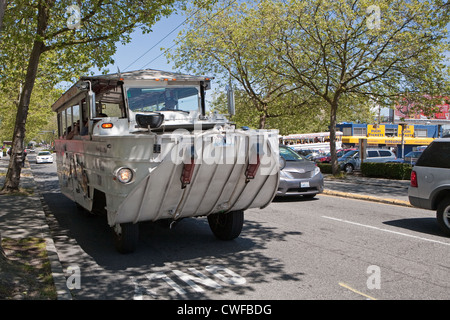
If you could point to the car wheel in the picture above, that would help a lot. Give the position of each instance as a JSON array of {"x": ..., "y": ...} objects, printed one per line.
[
  {"x": 226, "y": 226},
  {"x": 348, "y": 168},
  {"x": 443, "y": 215}
]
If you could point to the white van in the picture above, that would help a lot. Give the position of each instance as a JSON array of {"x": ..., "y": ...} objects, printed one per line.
[{"x": 139, "y": 146}]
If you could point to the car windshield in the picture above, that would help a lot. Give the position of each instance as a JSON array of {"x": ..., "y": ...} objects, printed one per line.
[
  {"x": 44, "y": 153},
  {"x": 351, "y": 153},
  {"x": 290, "y": 155},
  {"x": 413, "y": 154},
  {"x": 163, "y": 99}
]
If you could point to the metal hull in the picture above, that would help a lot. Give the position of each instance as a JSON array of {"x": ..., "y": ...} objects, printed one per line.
[{"x": 218, "y": 179}]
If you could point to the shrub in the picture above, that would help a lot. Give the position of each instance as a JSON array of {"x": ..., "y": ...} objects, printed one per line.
[
  {"x": 400, "y": 171},
  {"x": 325, "y": 167}
]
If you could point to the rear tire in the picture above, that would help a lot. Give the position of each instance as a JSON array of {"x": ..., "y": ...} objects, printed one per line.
[
  {"x": 126, "y": 237},
  {"x": 226, "y": 226},
  {"x": 443, "y": 216}
]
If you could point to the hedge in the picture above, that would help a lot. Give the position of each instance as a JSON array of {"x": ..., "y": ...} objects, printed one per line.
[
  {"x": 400, "y": 171},
  {"x": 324, "y": 167}
]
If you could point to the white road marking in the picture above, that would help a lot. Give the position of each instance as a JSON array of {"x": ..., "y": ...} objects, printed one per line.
[{"x": 386, "y": 230}]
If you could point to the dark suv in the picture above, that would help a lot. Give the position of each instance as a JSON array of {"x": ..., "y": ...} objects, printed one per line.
[{"x": 430, "y": 182}]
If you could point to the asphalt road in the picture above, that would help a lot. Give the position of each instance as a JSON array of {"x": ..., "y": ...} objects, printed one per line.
[{"x": 326, "y": 248}]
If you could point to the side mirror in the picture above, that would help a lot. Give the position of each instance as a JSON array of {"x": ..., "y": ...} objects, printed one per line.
[{"x": 230, "y": 101}]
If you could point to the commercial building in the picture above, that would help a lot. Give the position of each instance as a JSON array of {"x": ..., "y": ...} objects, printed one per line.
[{"x": 401, "y": 138}]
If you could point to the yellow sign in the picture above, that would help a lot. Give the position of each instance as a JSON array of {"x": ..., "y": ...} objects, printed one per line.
[
  {"x": 388, "y": 140},
  {"x": 375, "y": 130},
  {"x": 409, "y": 131}
]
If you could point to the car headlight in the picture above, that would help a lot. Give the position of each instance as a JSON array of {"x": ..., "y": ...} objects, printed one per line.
[
  {"x": 282, "y": 163},
  {"x": 124, "y": 175},
  {"x": 316, "y": 170}
]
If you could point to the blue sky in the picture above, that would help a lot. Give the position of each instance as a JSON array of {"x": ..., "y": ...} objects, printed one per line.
[{"x": 143, "y": 52}]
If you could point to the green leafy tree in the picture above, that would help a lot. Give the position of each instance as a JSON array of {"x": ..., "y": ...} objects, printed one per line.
[
  {"x": 61, "y": 40},
  {"x": 335, "y": 49},
  {"x": 226, "y": 41}
]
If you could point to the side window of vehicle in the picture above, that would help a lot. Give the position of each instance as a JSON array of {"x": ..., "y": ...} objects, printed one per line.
[
  {"x": 372, "y": 153},
  {"x": 437, "y": 155},
  {"x": 384, "y": 153}
]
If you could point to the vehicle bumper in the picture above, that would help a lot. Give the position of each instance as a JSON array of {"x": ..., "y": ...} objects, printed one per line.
[
  {"x": 420, "y": 202},
  {"x": 293, "y": 187}
]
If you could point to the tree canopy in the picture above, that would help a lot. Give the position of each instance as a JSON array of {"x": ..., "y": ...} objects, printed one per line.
[
  {"x": 324, "y": 55},
  {"x": 44, "y": 42}
]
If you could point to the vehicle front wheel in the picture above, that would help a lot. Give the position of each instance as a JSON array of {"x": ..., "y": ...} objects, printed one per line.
[
  {"x": 348, "y": 168},
  {"x": 226, "y": 226},
  {"x": 443, "y": 215},
  {"x": 126, "y": 237}
]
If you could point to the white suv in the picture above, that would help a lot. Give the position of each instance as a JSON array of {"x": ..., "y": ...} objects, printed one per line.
[{"x": 430, "y": 182}]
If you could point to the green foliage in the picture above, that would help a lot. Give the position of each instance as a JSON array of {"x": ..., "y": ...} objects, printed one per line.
[
  {"x": 43, "y": 41},
  {"x": 332, "y": 50},
  {"x": 305, "y": 65},
  {"x": 68, "y": 52},
  {"x": 399, "y": 171},
  {"x": 324, "y": 167}
]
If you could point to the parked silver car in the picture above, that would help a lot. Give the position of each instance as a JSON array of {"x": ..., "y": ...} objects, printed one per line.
[
  {"x": 351, "y": 160},
  {"x": 430, "y": 182},
  {"x": 298, "y": 176}
]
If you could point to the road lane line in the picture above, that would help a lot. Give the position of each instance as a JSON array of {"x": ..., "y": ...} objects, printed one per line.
[
  {"x": 386, "y": 230},
  {"x": 356, "y": 291}
]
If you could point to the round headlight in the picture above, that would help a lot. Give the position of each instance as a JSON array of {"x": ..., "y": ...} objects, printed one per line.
[{"x": 124, "y": 175}]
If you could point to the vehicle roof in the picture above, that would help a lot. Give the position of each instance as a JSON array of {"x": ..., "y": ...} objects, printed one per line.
[
  {"x": 113, "y": 78},
  {"x": 442, "y": 139},
  {"x": 147, "y": 74}
]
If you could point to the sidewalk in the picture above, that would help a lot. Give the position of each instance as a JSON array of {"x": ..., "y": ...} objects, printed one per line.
[
  {"x": 22, "y": 216},
  {"x": 372, "y": 189}
]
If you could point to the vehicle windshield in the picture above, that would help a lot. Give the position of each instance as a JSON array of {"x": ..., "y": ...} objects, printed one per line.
[
  {"x": 290, "y": 155},
  {"x": 351, "y": 153},
  {"x": 150, "y": 99},
  {"x": 44, "y": 153}
]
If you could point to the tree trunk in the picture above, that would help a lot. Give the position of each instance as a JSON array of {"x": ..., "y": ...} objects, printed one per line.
[
  {"x": 15, "y": 163},
  {"x": 2, "y": 253},
  {"x": 334, "y": 163},
  {"x": 262, "y": 121},
  {"x": 2, "y": 12}
]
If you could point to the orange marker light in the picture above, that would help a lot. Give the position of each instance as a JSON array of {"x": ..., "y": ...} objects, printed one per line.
[{"x": 107, "y": 125}]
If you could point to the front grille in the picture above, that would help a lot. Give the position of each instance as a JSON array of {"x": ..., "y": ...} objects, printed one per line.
[{"x": 298, "y": 175}]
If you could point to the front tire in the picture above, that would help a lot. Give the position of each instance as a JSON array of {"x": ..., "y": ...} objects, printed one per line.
[
  {"x": 226, "y": 226},
  {"x": 126, "y": 237},
  {"x": 348, "y": 168},
  {"x": 443, "y": 216}
]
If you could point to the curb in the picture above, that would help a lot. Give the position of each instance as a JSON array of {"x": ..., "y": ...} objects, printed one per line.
[
  {"x": 59, "y": 279},
  {"x": 368, "y": 198}
]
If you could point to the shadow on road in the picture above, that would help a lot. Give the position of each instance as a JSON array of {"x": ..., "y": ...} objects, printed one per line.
[
  {"x": 423, "y": 225},
  {"x": 82, "y": 237}
]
